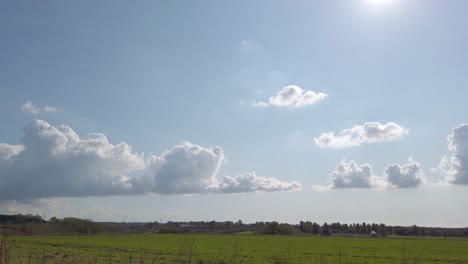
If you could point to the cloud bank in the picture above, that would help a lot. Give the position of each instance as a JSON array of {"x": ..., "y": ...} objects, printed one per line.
[
  {"x": 30, "y": 108},
  {"x": 370, "y": 132},
  {"x": 455, "y": 167},
  {"x": 351, "y": 175},
  {"x": 292, "y": 96},
  {"x": 56, "y": 162}
]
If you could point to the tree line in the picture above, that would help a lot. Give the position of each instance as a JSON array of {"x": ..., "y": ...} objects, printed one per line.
[{"x": 35, "y": 225}]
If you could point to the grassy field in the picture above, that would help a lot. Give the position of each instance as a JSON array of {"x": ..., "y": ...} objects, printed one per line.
[{"x": 234, "y": 249}]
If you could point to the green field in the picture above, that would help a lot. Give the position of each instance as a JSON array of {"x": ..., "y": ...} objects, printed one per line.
[{"x": 157, "y": 248}]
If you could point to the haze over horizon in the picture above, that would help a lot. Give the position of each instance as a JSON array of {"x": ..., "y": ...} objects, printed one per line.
[{"x": 342, "y": 110}]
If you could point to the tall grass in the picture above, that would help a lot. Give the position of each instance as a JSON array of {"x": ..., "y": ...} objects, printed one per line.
[{"x": 5, "y": 250}]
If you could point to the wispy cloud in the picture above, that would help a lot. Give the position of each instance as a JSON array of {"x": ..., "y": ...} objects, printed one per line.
[
  {"x": 370, "y": 132},
  {"x": 30, "y": 108},
  {"x": 250, "y": 46},
  {"x": 291, "y": 96}
]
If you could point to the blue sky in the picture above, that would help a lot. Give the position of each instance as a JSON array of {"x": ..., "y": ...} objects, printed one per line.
[{"x": 205, "y": 89}]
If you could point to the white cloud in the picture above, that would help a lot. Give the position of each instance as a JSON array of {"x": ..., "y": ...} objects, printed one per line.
[
  {"x": 186, "y": 168},
  {"x": 30, "y": 108},
  {"x": 7, "y": 152},
  {"x": 351, "y": 175},
  {"x": 455, "y": 167},
  {"x": 56, "y": 162},
  {"x": 404, "y": 176},
  {"x": 370, "y": 132},
  {"x": 250, "y": 182},
  {"x": 49, "y": 109},
  {"x": 292, "y": 96}
]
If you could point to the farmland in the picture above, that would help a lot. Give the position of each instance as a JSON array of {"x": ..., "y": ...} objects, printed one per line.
[{"x": 235, "y": 248}]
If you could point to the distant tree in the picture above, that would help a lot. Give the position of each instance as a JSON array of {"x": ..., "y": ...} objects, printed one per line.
[
  {"x": 54, "y": 220},
  {"x": 270, "y": 228},
  {"x": 383, "y": 230},
  {"x": 148, "y": 225},
  {"x": 172, "y": 224},
  {"x": 364, "y": 228},
  {"x": 315, "y": 228},
  {"x": 212, "y": 225},
  {"x": 259, "y": 226},
  {"x": 336, "y": 227},
  {"x": 302, "y": 226},
  {"x": 325, "y": 230},
  {"x": 345, "y": 228},
  {"x": 285, "y": 229},
  {"x": 169, "y": 230},
  {"x": 273, "y": 226},
  {"x": 415, "y": 230},
  {"x": 390, "y": 230}
]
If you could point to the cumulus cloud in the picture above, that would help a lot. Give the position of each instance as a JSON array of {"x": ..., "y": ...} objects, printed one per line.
[
  {"x": 30, "y": 108},
  {"x": 7, "y": 152},
  {"x": 57, "y": 162},
  {"x": 351, "y": 175},
  {"x": 186, "y": 168},
  {"x": 292, "y": 96},
  {"x": 369, "y": 132},
  {"x": 404, "y": 176},
  {"x": 250, "y": 182},
  {"x": 455, "y": 167}
]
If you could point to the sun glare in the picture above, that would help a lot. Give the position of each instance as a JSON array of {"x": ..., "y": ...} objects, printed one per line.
[{"x": 380, "y": 3}]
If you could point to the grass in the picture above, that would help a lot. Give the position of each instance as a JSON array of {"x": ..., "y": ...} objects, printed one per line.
[
  {"x": 218, "y": 249},
  {"x": 5, "y": 251}
]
